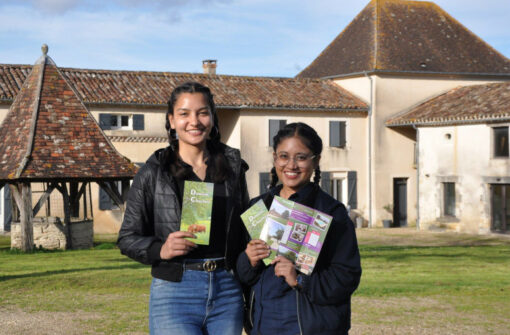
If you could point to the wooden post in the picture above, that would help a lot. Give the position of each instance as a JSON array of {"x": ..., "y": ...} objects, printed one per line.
[
  {"x": 74, "y": 199},
  {"x": 24, "y": 201},
  {"x": 62, "y": 187}
]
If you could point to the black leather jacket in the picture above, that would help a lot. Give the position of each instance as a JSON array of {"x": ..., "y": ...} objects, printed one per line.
[{"x": 153, "y": 212}]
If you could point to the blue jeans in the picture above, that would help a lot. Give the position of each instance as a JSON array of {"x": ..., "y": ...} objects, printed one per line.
[{"x": 202, "y": 303}]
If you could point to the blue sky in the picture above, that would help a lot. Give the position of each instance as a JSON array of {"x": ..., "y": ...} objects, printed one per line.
[{"x": 247, "y": 37}]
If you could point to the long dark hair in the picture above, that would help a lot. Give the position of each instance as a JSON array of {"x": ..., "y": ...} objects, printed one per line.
[
  {"x": 310, "y": 139},
  {"x": 221, "y": 168}
]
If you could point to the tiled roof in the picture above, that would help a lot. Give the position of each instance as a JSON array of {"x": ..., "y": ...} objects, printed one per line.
[
  {"x": 406, "y": 36},
  {"x": 468, "y": 104},
  {"x": 154, "y": 88},
  {"x": 49, "y": 134}
]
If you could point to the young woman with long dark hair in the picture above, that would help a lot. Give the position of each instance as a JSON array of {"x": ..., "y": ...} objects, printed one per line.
[
  {"x": 194, "y": 290},
  {"x": 284, "y": 301}
]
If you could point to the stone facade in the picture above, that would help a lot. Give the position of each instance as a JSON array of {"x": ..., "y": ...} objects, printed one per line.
[{"x": 50, "y": 233}]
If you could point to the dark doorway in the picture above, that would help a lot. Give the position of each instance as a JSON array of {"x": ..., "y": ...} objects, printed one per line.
[
  {"x": 400, "y": 202},
  {"x": 500, "y": 203}
]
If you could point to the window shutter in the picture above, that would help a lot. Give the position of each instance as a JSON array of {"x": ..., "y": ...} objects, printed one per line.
[
  {"x": 138, "y": 122},
  {"x": 334, "y": 134},
  {"x": 326, "y": 182},
  {"x": 342, "y": 137},
  {"x": 274, "y": 127},
  {"x": 264, "y": 181},
  {"x": 7, "y": 208},
  {"x": 126, "y": 185},
  {"x": 105, "y": 203},
  {"x": 105, "y": 121},
  {"x": 352, "y": 196},
  {"x": 337, "y": 136}
]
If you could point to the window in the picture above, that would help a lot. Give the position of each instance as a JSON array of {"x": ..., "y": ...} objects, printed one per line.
[
  {"x": 121, "y": 121},
  {"x": 341, "y": 186},
  {"x": 336, "y": 189},
  {"x": 274, "y": 127},
  {"x": 500, "y": 141},
  {"x": 449, "y": 199},
  {"x": 337, "y": 136},
  {"x": 105, "y": 202}
]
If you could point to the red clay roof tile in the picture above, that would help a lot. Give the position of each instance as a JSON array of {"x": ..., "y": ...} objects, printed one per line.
[
  {"x": 154, "y": 88},
  {"x": 468, "y": 104}
]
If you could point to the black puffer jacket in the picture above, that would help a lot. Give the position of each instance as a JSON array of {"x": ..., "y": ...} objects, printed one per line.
[{"x": 153, "y": 212}]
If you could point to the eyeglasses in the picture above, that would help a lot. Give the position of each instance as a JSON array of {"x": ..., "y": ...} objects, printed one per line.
[{"x": 301, "y": 160}]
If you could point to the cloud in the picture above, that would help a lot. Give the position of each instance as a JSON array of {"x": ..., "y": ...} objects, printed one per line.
[
  {"x": 62, "y": 7},
  {"x": 247, "y": 37}
]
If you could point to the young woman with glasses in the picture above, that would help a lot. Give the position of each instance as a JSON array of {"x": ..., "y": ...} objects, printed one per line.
[
  {"x": 282, "y": 300},
  {"x": 193, "y": 289}
]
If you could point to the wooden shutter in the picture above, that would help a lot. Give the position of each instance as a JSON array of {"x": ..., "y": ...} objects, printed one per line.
[
  {"x": 352, "y": 194},
  {"x": 105, "y": 121},
  {"x": 337, "y": 136},
  {"x": 274, "y": 127},
  {"x": 326, "y": 182},
  {"x": 138, "y": 122},
  {"x": 7, "y": 208},
  {"x": 264, "y": 181}
]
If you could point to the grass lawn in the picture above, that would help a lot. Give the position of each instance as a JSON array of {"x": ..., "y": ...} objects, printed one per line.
[{"x": 412, "y": 283}]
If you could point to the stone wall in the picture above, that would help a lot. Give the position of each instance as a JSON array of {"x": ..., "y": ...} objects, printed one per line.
[{"x": 50, "y": 233}]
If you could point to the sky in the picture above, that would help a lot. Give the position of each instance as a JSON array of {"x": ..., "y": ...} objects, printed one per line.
[{"x": 275, "y": 38}]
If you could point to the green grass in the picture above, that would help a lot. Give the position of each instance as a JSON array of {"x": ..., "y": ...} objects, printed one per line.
[{"x": 461, "y": 284}]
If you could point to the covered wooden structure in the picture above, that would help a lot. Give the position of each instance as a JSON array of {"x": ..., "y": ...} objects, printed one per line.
[{"x": 50, "y": 137}]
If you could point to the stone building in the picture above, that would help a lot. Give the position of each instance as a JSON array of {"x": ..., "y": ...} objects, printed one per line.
[{"x": 393, "y": 56}]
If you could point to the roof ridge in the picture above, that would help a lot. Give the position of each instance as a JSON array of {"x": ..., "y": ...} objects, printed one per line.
[
  {"x": 334, "y": 40},
  {"x": 30, "y": 143},
  {"x": 468, "y": 30}
]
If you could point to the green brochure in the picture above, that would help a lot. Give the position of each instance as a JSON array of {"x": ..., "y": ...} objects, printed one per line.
[
  {"x": 197, "y": 203},
  {"x": 254, "y": 218}
]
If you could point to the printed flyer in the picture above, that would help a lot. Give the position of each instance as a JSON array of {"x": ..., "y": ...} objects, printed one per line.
[
  {"x": 304, "y": 232},
  {"x": 290, "y": 229},
  {"x": 196, "y": 210}
]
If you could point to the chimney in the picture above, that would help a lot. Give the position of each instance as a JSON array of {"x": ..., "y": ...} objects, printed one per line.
[{"x": 209, "y": 66}]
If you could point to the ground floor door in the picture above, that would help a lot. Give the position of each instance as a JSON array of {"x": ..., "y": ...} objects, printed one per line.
[
  {"x": 399, "y": 202},
  {"x": 500, "y": 203}
]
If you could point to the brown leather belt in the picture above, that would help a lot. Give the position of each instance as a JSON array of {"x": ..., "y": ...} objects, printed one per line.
[{"x": 209, "y": 265}]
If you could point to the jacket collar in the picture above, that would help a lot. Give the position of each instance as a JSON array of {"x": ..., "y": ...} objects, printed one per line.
[{"x": 305, "y": 196}]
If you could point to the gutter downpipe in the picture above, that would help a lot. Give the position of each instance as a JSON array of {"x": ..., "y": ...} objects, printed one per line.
[
  {"x": 417, "y": 153},
  {"x": 370, "y": 225}
]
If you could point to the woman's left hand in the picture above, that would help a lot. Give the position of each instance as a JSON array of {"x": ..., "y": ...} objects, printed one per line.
[{"x": 285, "y": 268}]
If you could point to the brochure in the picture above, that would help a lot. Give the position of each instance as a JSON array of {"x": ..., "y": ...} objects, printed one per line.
[
  {"x": 197, "y": 202},
  {"x": 254, "y": 218},
  {"x": 292, "y": 230},
  {"x": 304, "y": 232}
]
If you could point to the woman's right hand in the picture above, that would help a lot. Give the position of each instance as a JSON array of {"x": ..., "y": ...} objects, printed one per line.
[
  {"x": 256, "y": 251},
  {"x": 176, "y": 244}
]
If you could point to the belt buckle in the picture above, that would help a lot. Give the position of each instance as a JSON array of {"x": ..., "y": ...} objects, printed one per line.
[{"x": 210, "y": 265}]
